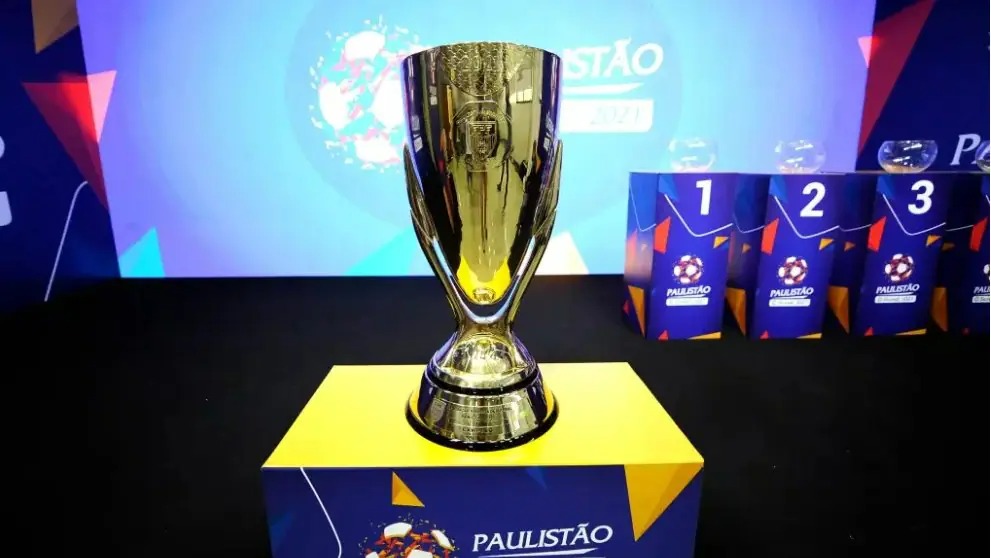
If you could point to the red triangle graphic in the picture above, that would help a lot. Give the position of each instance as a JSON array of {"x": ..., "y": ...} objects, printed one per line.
[
  {"x": 67, "y": 109},
  {"x": 891, "y": 44}
]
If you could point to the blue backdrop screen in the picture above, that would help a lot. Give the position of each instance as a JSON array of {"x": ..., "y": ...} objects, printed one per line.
[{"x": 265, "y": 139}]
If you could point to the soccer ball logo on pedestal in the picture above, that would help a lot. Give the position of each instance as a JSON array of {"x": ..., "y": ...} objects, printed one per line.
[
  {"x": 899, "y": 268},
  {"x": 793, "y": 270},
  {"x": 402, "y": 539},
  {"x": 687, "y": 270}
]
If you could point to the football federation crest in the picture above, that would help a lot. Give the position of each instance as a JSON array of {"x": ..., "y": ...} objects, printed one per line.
[{"x": 480, "y": 133}]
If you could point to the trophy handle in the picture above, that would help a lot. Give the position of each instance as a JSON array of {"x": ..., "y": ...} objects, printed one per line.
[
  {"x": 426, "y": 236},
  {"x": 543, "y": 226}
]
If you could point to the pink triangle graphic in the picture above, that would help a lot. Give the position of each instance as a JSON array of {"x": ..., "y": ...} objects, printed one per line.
[
  {"x": 100, "y": 87},
  {"x": 865, "y": 48}
]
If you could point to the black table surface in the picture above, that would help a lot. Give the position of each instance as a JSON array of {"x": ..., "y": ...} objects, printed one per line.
[{"x": 138, "y": 414}]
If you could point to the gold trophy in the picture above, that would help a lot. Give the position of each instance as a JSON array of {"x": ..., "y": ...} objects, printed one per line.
[{"x": 482, "y": 169}]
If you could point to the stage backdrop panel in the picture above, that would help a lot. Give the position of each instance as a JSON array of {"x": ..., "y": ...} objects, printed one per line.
[
  {"x": 928, "y": 79},
  {"x": 54, "y": 227},
  {"x": 264, "y": 138}
]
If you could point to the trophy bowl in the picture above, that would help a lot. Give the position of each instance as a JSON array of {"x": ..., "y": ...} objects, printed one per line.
[
  {"x": 483, "y": 164},
  {"x": 907, "y": 156}
]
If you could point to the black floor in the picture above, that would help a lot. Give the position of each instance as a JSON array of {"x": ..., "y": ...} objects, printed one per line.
[{"x": 138, "y": 414}]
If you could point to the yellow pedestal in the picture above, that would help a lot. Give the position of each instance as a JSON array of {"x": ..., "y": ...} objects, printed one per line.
[{"x": 614, "y": 475}]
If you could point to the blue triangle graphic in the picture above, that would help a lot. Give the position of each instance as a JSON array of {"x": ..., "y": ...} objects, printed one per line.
[
  {"x": 393, "y": 258},
  {"x": 666, "y": 186},
  {"x": 537, "y": 474},
  {"x": 143, "y": 259},
  {"x": 778, "y": 189},
  {"x": 885, "y": 187}
]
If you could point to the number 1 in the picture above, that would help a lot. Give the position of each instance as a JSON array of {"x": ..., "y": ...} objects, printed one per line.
[{"x": 706, "y": 187}]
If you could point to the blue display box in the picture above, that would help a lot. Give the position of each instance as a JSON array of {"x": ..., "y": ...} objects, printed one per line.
[
  {"x": 677, "y": 247},
  {"x": 614, "y": 476},
  {"x": 781, "y": 253},
  {"x": 885, "y": 273},
  {"x": 960, "y": 302}
]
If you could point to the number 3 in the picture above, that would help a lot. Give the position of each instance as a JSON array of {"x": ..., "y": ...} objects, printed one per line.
[
  {"x": 923, "y": 198},
  {"x": 818, "y": 191},
  {"x": 706, "y": 187}
]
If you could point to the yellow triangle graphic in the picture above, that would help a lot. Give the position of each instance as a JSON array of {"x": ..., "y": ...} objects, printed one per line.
[
  {"x": 650, "y": 489},
  {"x": 636, "y": 295},
  {"x": 811, "y": 336},
  {"x": 402, "y": 495},
  {"x": 746, "y": 247},
  {"x": 718, "y": 241},
  {"x": 737, "y": 299},
  {"x": 715, "y": 335},
  {"x": 931, "y": 239},
  {"x": 848, "y": 246},
  {"x": 823, "y": 242}
]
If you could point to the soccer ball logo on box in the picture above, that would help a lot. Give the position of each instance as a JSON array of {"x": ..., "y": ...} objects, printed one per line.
[
  {"x": 402, "y": 539},
  {"x": 899, "y": 268},
  {"x": 687, "y": 270},
  {"x": 793, "y": 271}
]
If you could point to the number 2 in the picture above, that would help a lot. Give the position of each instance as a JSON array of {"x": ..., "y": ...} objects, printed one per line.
[
  {"x": 706, "y": 187},
  {"x": 923, "y": 198},
  {"x": 818, "y": 191}
]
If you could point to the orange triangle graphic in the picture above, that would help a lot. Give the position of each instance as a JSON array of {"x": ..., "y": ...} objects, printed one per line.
[
  {"x": 765, "y": 335},
  {"x": 931, "y": 239},
  {"x": 947, "y": 246},
  {"x": 663, "y": 336},
  {"x": 661, "y": 232},
  {"x": 823, "y": 242},
  {"x": 718, "y": 241},
  {"x": 767, "y": 241},
  {"x": 869, "y": 332},
  {"x": 52, "y": 20},
  {"x": 650, "y": 489},
  {"x": 839, "y": 302},
  {"x": 977, "y": 233},
  {"x": 402, "y": 495},
  {"x": 939, "y": 309},
  {"x": 876, "y": 232},
  {"x": 848, "y": 246},
  {"x": 746, "y": 247},
  {"x": 636, "y": 295}
]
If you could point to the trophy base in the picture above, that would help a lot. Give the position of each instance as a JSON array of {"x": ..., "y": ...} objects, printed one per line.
[{"x": 481, "y": 419}]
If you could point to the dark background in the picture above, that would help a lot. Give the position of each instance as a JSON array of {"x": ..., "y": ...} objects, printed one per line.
[{"x": 138, "y": 414}]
